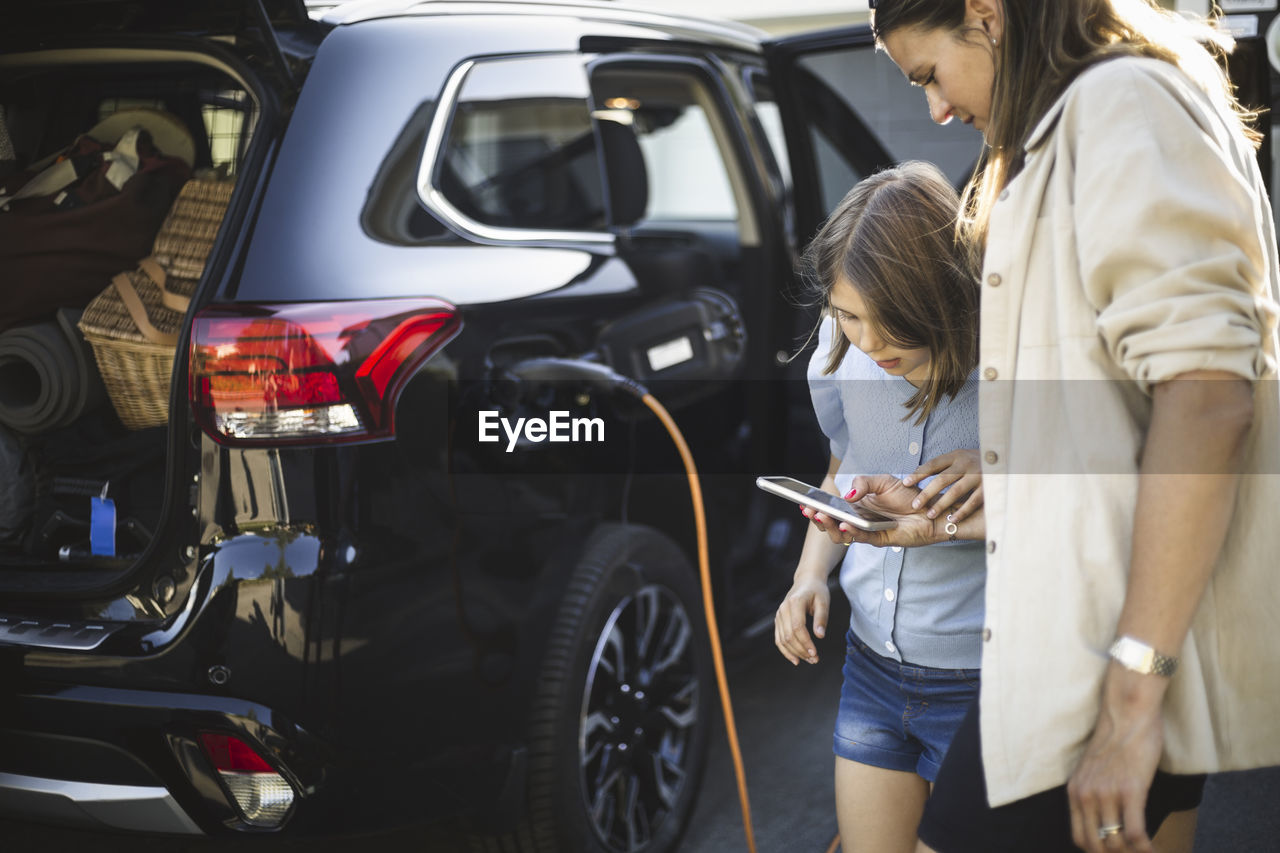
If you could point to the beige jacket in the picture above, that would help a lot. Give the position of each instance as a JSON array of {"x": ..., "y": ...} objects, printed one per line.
[{"x": 1136, "y": 245}]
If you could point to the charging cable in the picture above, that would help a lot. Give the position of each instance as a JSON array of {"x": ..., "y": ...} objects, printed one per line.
[{"x": 601, "y": 376}]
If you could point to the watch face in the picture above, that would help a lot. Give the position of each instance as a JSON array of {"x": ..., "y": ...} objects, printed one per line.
[
  {"x": 1131, "y": 655},
  {"x": 1141, "y": 658}
]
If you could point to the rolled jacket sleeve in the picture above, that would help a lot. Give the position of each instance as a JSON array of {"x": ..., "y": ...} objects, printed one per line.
[{"x": 1168, "y": 242}]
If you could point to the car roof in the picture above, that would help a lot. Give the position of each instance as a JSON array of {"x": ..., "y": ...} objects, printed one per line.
[
  {"x": 720, "y": 32},
  {"x": 149, "y": 16}
]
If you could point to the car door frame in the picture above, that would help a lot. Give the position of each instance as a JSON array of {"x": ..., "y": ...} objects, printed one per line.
[{"x": 803, "y": 101}]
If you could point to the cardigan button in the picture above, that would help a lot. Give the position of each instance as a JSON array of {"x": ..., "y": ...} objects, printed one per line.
[
  {"x": 991, "y": 547},
  {"x": 994, "y": 279},
  {"x": 1004, "y": 195},
  {"x": 992, "y": 457},
  {"x": 990, "y": 373}
]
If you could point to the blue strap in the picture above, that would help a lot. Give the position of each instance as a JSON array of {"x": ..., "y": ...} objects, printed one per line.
[{"x": 102, "y": 527}]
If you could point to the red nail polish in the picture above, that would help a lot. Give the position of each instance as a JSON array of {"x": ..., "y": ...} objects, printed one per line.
[{"x": 852, "y": 492}]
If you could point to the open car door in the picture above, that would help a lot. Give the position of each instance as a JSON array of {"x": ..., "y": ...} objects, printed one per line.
[{"x": 846, "y": 112}]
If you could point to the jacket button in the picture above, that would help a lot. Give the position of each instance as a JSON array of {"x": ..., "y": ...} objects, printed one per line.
[
  {"x": 990, "y": 373},
  {"x": 994, "y": 279},
  {"x": 992, "y": 457}
]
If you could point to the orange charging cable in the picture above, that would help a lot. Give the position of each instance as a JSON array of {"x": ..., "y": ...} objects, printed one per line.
[{"x": 704, "y": 570}]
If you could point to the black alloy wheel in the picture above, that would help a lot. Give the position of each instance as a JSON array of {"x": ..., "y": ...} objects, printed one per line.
[
  {"x": 640, "y": 706},
  {"x": 624, "y": 708}
]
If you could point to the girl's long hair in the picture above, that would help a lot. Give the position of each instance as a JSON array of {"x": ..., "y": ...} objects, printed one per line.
[
  {"x": 1045, "y": 45},
  {"x": 893, "y": 238}
]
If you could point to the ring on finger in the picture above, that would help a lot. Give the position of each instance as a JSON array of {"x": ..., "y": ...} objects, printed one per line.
[{"x": 1108, "y": 830}]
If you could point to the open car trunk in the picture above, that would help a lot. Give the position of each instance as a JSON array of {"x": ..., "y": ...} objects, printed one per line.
[{"x": 128, "y": 157}]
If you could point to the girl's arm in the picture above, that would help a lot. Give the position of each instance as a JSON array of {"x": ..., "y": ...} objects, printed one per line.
[
  {"x": 809, "y": 592},
  {"x": 1190, "y": 469}
]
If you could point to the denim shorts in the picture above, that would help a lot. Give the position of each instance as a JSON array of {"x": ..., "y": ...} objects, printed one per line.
[{"x": 899, "y": 716}]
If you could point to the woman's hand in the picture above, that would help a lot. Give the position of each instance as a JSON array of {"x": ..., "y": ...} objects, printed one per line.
[
  {"x": 960, "y": 473},
  {"x": 1110, "y": 785},
  {"x": 790, "y": 634}
]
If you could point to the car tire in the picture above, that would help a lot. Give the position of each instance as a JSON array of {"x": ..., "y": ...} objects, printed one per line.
[{"x": 623, "y": 708}]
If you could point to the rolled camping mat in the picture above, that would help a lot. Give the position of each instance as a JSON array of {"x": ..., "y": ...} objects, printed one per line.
[{"x": 48, "y": 376}]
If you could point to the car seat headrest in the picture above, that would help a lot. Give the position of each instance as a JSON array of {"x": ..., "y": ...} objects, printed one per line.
[{"x": 625, "y": 171}]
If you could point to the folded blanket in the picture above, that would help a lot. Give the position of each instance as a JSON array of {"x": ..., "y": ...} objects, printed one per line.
[{"x": 48, "y": 377}]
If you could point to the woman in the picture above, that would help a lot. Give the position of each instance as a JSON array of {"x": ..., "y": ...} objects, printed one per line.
[
  {"x": 1127, "y": 251},
  {"x": 891, "y": 385}
]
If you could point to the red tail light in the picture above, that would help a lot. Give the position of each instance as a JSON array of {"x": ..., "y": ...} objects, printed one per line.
[
  {"x": 271, "y": 374},
  {"x": 233, "y": 755},
  {"x": 262, "y": 794}
]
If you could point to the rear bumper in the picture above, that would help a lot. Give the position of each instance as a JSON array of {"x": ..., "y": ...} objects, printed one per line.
[
  {"x": 129, "y": 760},
  {"x": 93, "y": 805}
]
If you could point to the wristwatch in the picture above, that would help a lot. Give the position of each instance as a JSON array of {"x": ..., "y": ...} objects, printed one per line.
[{"x": 1141, "y": 658}]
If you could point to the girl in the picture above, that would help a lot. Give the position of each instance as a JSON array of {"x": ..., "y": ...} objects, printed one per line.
[
  {"x": 1127, "y": 251},
  {"x": 890, "y": 382}
]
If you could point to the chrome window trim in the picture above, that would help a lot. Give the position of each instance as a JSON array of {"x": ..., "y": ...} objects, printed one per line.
[{"x": 437, "y": 203}]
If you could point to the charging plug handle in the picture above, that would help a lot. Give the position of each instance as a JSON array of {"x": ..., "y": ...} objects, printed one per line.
[{"x": 593, "y": 373}]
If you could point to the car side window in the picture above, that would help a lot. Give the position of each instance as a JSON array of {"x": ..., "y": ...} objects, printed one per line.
[
  {"x": 671, "y": 115},
  {"x": 520, "y": 151}
]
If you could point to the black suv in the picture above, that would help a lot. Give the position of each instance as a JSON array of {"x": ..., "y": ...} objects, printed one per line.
[{"x": 392, "y": 552}]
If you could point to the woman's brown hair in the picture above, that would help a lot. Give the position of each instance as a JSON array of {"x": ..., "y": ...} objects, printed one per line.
[
  {"x": 1045, "y": 45},
  {"x": 893, "y": 238}
]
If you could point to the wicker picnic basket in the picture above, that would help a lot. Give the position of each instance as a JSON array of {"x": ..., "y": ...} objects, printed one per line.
[{"x": 133, "y": 325}]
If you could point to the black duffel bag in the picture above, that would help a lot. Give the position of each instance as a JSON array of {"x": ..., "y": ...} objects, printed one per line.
[{"x": 94, "y": 211}]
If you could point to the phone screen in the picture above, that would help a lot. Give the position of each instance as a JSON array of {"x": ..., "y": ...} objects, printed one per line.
[{"x": 789, "y": 487}]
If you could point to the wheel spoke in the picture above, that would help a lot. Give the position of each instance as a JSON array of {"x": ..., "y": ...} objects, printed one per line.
[
  {"x": 638, "y": 830},
  {"x": 613, "y": 657},
  {"x": 668, "y": 776},
  {"x": 648, "y": 611},
  {"x": 675, "y": 641},
  {"x": 681, "y": 709},
  {"x": 604, "y": 804},
  {"x": 595, "y": 731}
]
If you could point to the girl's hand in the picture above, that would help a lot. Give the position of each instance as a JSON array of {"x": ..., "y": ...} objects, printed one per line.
[
  {"x": 885, "y": 494},
  {"x": 810, "y": 595},
  {"x": 960, "y": 473}
]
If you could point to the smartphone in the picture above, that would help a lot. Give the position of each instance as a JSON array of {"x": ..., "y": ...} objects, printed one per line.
[{"x": 812, "y": 496}]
